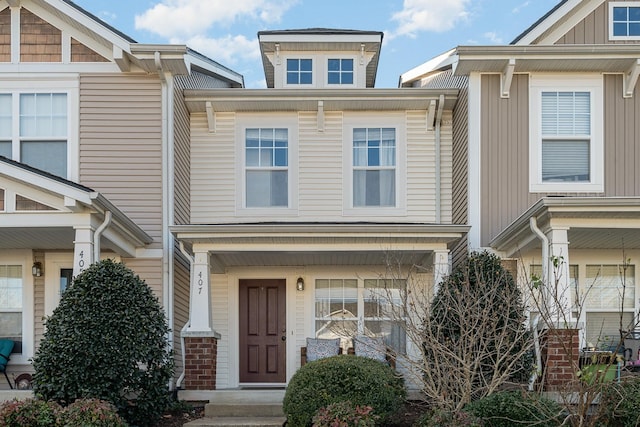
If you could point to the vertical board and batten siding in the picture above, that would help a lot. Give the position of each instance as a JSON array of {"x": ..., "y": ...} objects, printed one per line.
[
  {"x": 460, "y": 171},
  {"x": 121, "y": 145},
  {"x": 593, "y": 29},
  {"x": 621, "y": 133},
  {"x": 505, "y": 150},
  {"x": 321, "y": 179}
]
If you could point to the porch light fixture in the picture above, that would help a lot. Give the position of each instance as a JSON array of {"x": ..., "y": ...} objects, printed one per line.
[
  {"x": 300, "y": 284},
  {"x": 36, "y": 269}
]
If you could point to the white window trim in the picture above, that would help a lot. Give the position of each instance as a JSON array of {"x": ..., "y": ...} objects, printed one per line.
[
  {"x": 314, "y": 72},
  {"x": 620, "y": 4},
  {"x": 53, "y": 263},
  {"x": 25, "y": 259},
  {"x": 396, "y": 121},
  {"x": 68, "y": 84},
  {"x": 339, "y": 85},
  {"x": 591, "y": 83},
  {"x": 245, "y": 122}
]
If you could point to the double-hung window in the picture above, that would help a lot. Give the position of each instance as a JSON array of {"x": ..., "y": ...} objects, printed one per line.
[
  {"x": 374, "y": 167},
  {"x": 340, "y": 71},
  {"x": 566, "y": 146},
  {"x": 35, "y": 127},
  {"x": 346, "y": 308},
  {"x": 266, "y": 167},
  {"x": 299, "y": 71},
  {"x": 624, "y": 21}
]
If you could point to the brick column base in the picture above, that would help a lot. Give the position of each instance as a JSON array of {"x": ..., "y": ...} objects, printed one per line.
[
  {"x": 201, "y": 351},
  {"x": 560, "y": 355}
]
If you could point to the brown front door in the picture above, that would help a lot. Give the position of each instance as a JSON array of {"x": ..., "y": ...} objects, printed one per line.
[{"x": 263, "y": 331}]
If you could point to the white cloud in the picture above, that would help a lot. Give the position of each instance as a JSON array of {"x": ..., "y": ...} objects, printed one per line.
[
  {"x": 187, "y": 18},
  {"x": 493, "y": 37},
  {"x": 229, "y": 50},
  {"x": 518, "y": 8},
  {"x": 429, "y": 15}
]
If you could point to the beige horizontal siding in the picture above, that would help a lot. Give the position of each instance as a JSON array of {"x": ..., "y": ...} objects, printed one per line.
[
  {"x": 215, "y": 183},
  {"x": 121, "y": 145},
  {"x": 181, "y": 286},
  {"x": 181, "y": 154},
  {"x": 221, "y": 310},
  {"x": 149, "y": 270}
]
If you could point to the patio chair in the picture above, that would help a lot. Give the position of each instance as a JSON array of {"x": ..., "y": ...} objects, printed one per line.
[{"x": 6, "y": 347}]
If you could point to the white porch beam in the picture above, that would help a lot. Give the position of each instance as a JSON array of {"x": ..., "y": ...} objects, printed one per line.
[
  {"x": 630, "y": 79},
  {"x": 211, "y": 117},
  {"x": 441, "y": 267},
  {"x": 13, "y": 3},
  {"x": 82, "y": 249},
  {"x": 506, "y": 77}
]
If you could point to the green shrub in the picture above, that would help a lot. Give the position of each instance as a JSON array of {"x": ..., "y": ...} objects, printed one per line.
[
  {"x": 620, "y": 402},
  {"x": 345, "y": 414},
  {"x": 91, "y": 412},
  {"x": 107, "y": 340},
  {"x": 444, "y": 418},
  {"x": 362, "y": 381},
  {"x": 29, "y": 412},
  {"x": 508, "y": 408}
]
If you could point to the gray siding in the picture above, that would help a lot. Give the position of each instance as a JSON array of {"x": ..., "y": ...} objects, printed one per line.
[
  {"x": 460, "y": 201},
  {"x": 121, "y": 145},
  {"x": 181, "y": 271},
  {"x": 594, "y": 29},
  {"x": 181, "y": 153}
]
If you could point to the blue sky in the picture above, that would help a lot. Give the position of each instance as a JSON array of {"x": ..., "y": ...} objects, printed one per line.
[{"x": 415, "y": 30}]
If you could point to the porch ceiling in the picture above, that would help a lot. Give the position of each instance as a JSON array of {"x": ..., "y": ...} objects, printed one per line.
[
  {"x": 591, "y": 223},
  {"x": 44, "y": 238}
]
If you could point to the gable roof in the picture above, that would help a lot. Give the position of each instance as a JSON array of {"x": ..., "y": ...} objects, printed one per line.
[{"x": 538, "y": 23}]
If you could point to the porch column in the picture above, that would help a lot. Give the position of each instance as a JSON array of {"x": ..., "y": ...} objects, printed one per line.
[
  {"x": 82, "y": 248},
  {"x": 200, "y": 340},
  {"x": 559, "y": 286},
  {"x": 441, "y": 267}
]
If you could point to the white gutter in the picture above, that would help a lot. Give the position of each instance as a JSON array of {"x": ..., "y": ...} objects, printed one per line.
[
  {"x": 98, "y": 234},
  {"x": 186, "y": 325},
  {"x": 167, "y": 205},
  {"x": 438, "y": 201},
  {"x": 533, "y": 224}
]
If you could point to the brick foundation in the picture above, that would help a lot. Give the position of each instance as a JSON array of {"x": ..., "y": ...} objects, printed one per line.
[
  {"x": 560, "y": 355},
  {"x": 200, "y": 362}
]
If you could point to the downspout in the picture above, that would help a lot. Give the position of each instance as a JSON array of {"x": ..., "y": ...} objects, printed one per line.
[
  {"x": 186, "y": 325},
  {"x": 98, "y": 234},
  {"x": 533, "y": 224},
  {"x": 438, "y": 201},
  {"x": 167, "y": 201}
]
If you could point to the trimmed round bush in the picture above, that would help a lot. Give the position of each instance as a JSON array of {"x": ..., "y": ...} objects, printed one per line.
[
  {"x": 620, "y": 402},
  {"x": 29, "y": 412},
  {"x": 107, "y": 340},
  {"x": 508, "y": 408},
  {"x": 92, "y": 412},
  {"x": 360, "y": 380}
]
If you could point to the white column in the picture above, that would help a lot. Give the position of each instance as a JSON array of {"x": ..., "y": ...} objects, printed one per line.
[
  {"x": 441, "y": 267},
  {"x": 559, "y": 289},
  {"x": 200, "y": 301},
  {"x": 82, "y": 248}
]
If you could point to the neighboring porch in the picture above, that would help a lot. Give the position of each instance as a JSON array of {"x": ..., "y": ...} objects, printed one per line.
[{"x": 259, "y": 290}]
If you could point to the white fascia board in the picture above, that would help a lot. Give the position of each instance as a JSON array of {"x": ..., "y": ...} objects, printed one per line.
[
  {"x": 323, "y": 37},
  {"x": 193, "y": 60},
  {"x": 444, "y": 59},
  {"x": 559, "y": 14},
  {"x": 43, "y": 219}
]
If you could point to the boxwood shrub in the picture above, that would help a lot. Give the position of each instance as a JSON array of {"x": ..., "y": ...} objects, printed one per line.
[
  {"x": 509, "y": 408},
  {"x": 362, "y": 381},
  {"x": 29, "y": 412}
]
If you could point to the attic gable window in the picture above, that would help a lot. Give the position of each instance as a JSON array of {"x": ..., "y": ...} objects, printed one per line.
[
  {"x": 340, "y": 71},
  {"x": 624, "y": 21}
]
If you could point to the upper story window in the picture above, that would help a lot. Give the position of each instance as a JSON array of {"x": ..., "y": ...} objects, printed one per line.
[
  {"x": 374, "y": 167},
  {"x": 266, "y": 167},
  {"x": 299, "y": 71},
  {"x": 624, "y": 21},
  {"x": 340, "y": 71},
  {"x": 37, "y": 125},
  {"x": 566, "y": 148}
]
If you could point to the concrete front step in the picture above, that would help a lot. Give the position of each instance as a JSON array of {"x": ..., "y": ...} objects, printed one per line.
[
  {"x": 243, "y": 410},
  {"x": 237, "y": 422}
]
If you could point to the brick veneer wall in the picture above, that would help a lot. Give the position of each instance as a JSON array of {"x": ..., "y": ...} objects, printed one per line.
[
  {"x": 560, "y": 355},
  {"x": 200, "y": 362}
]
